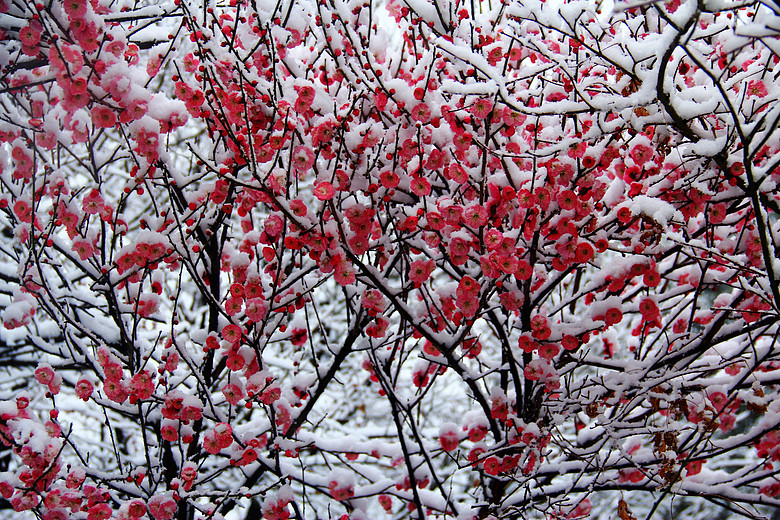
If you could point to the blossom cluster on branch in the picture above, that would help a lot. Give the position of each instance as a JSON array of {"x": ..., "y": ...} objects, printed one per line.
[{"x": 403, "y": 258}]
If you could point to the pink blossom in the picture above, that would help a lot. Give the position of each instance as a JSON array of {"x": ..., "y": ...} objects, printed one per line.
[
  {"x": 302, "y": 159},
  {"x": 148, "y": 304},
  {"x": 757, "y": 88},
  {"x": 421, "y": 113},
  {"x": 75, "y": 9},
  {"x": 44, "y": 374},
  {"x": 512, "y": 118},
  {"x": 103, "y": 117},
  {"x": 136, "y": 508},
  {"x": 448, "y": 437},
  {"x": 344, "y": 272},
  {"x": 420, "y": 186},
  {"x": 99, "y": 512},
  {"x": 142, "y": 384},
  {"x": 341, "y": 492},
  {"x": 475, "y": 216},
  {"x": 22, "y": 210},
  {"x": 162, "y": 507},
  {"x": 324, "y": 191},
  {"x": 84, "y": 389},
  {"x": 256, "y": 309},
  {"x": 211, "y": 444},
  {"x": 641, "y": 153},
  {"x": 481, "y": 108},
  {"x": 29, "y": 36},
  {"x": 83, "y": 248},
  {"x": 93, "y": 202},
  {"x": 548, "y": 350},
  {"x": 420, "y": 271},
  {"x": 169, "y": 430}
]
